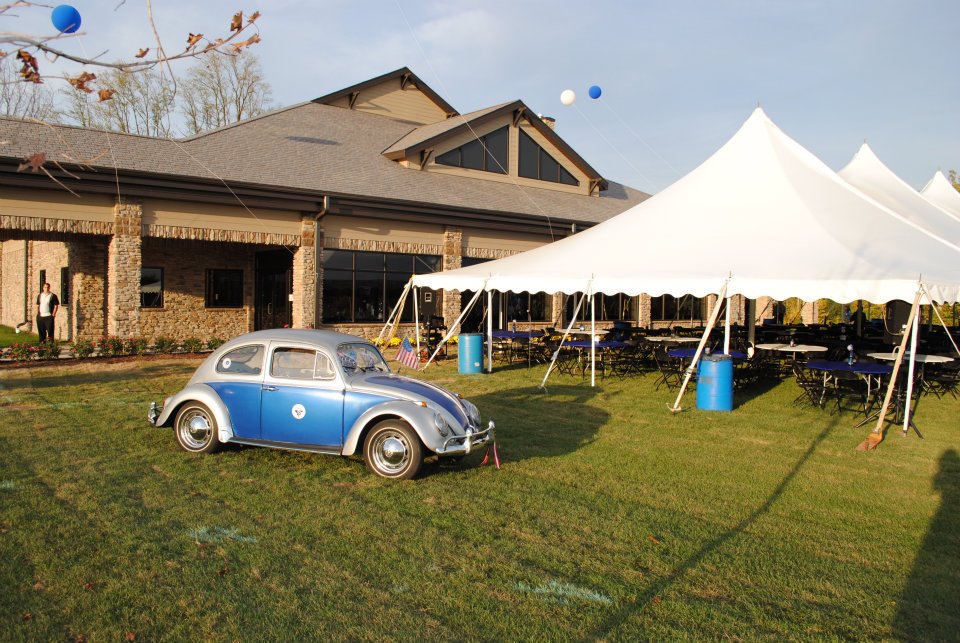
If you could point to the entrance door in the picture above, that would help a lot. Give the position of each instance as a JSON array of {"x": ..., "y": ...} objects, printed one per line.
[{"x": 274, "y": 285}]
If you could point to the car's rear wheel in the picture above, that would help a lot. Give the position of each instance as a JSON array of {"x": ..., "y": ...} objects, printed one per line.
[
  {"x": 393, "y": 450},
  {"x": 196, "y": 428}
]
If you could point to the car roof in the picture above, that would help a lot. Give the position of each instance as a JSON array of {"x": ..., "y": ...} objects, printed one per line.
[{"x": 325, "y": 338}]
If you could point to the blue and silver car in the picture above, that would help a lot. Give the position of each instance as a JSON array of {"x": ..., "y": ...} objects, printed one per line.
[{"x": 319, "y": 391}]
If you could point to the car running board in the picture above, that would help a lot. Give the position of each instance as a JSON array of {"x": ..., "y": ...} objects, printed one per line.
[{"x": 290, "y": 446}]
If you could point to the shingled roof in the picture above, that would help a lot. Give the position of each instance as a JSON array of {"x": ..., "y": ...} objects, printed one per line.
[{"x": 309, "y": 148}]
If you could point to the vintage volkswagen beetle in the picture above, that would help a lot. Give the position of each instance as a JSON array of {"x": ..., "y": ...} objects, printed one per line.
[{"x": 319, "y": 391}]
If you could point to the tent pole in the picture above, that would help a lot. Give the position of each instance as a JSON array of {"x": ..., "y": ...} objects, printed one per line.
[
  {"x": 563, "y": 338},
  {"x": 703, "y": 342},
  {"x": 416, "y": 317},
  {"x": 456, "y": 325},
  {"x": 876, "y": 436},
  {"x": 726, "y": 329},
  {"x": 397, "y": 309},
  {"x": 489, "y": 331},
  {"x": 593, "y": 342},
  {"x": 911, "y": 367}
]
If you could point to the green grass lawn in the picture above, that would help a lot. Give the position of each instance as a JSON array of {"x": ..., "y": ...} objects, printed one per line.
[
  {"x": 9, "y": 336},
  {"x": 611, "y": 519}
]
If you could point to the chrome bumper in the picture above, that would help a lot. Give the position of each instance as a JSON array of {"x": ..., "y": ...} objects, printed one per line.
[{"x": 463, "y": 444}]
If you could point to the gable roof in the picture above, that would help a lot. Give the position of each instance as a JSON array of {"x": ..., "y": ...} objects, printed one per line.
[
  {"x": 426, "y": 136},
  {"x": 941, "y": 192},
  {"x": 404, "y": 75}
]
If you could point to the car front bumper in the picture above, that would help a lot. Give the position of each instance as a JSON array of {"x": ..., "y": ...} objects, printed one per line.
[{"x": 463, "y": 444}]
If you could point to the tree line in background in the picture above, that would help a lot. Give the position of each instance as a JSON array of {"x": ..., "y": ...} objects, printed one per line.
[{"x": 217, "y": 90}]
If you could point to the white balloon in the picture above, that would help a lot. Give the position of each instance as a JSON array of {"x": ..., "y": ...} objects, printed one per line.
[{"x": 567, "y": 97}]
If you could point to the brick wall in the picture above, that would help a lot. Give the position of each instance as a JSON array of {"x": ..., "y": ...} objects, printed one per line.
[
  {"x": 88, "y": 304},
  {"x": 184, "y": 313}
]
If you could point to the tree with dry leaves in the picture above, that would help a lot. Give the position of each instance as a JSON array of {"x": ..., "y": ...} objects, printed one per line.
[
  {"x": 140, "y": 103},
  {"x": 26, "y": 100},
  {"x": 24, "y": 48},
  {"x": 223, "y": 89}
]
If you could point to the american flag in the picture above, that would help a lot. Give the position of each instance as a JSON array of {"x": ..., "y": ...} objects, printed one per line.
[{"x": 407, "y": 356}]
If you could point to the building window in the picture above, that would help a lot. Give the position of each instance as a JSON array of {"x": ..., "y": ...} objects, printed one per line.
[
  {"x": 536, "y": 163},
  {"x": 151, "y": 287},
  {"x": 43, "y": 279},
  {"x": 617, "y": 307},
  {"x": 363, "y": 287},
  {"x": 64, "y": 286},
  {"x": 525, "y": 306},
  {"x": 669, "y": 308},
  {"x": 488, "y": 154},
  {"x": 224, "y": 288}
]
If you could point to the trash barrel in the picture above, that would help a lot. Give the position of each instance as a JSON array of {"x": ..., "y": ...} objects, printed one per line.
[
  {"x": 715, "y": 383},
  {"x": 470, "y": 353}
]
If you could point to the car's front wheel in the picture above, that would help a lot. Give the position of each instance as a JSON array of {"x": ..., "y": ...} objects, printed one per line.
[
  {"x": 196, "y": 428},
  {"x": 393, "y": 450}
]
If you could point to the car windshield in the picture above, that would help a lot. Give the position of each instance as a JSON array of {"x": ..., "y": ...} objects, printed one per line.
[{"x": 356, "y": 358}]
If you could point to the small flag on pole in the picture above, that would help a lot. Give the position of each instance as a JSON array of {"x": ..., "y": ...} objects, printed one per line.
[{"x": 407, "y": 356}]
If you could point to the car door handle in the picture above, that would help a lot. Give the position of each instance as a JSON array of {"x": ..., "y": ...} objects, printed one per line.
[{"x": 268, "y": 388}]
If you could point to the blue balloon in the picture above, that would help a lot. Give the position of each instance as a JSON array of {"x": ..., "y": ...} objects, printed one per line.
[
  {"x": 595, "y": 91},
  {"x": 65, "y": 19}
]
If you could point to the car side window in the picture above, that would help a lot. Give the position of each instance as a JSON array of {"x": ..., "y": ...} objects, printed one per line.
[
  {"x": 246, "y": 360},
  {"x": 301, "y": 364}
]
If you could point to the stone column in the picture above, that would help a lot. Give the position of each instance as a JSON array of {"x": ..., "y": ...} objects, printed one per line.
[
  {"x": 318, "y": 268},
  {"x": 305, "y": 275},
  {"x": 452, "y": 258},
  {"x": 644, "y": 312},
  {"x": 87, "y": 259},
  {"x": 123, "y": 270}
]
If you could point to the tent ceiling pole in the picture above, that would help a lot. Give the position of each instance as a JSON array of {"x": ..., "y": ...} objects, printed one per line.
[
  {"x": 911, "y": 368},
  {"x": 726, "y": 329},
  {"x": 703, "y": 342},
  {"x": 416, "y": 316},
  {"x": 563, "y": 338},
  {"x": 456, "y": 325},
  {"x": 593, "y": 339},
  {"x": 489, "y": 331}
]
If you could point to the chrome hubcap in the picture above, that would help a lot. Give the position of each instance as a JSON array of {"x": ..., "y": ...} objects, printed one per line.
[
  {"x": 391, "y": 452},
  {"x": 195, "y": 430}
]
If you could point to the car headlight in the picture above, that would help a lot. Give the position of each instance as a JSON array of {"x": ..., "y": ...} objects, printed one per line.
[
  {"x": 472, "y": 412},
  {"x": 441, "y": 424}
]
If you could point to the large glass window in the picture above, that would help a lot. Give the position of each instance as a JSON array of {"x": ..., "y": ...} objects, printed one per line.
[
  {"x": 536, "y": 163},
  {"x": 669, "y": 308},
  {"x": 224, "y": 288},
  {"x": 489, "y": 153},
  {"x": 151, "y": 287},
  {"x": 364, "y": 286},
  {"x": 617, "y": 307}
]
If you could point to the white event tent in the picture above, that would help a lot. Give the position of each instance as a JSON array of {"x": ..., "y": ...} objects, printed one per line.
[
  {"x": 869, "y": 175},
  {"x": 940, "y": 192},
  {"x": 761, "y": 217}
]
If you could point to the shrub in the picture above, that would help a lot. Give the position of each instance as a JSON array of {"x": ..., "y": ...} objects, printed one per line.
[
  {"x": 164, "y": 344},
  {"x": 135, "y": 345},
  {"x": 192, "y": 345},
  {"x": 48, "y": 350},
  {"x": 22, "y": 352},
  {"x": 111, "y": 346},
  {"x": 214, "y": 343},
  {"x": 82, "y": 348}
]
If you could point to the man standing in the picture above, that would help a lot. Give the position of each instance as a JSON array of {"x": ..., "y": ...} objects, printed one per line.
[{"x": 47, "y": 307}]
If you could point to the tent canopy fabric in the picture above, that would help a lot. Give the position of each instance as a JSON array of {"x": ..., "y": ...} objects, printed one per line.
[
  {"x": 763, "y": 213},
  {"x": 940, "y": 192},
  {"x": 868, "y": 174}
]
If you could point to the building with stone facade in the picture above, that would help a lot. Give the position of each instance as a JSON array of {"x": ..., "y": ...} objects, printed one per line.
[{"x": 314, "y": 215}]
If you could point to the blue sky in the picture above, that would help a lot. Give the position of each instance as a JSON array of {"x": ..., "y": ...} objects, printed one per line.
[{"x": 678, "y": 78}]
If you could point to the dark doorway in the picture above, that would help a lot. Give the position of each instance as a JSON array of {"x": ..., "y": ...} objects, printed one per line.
[{"x": 274, "y": 287}]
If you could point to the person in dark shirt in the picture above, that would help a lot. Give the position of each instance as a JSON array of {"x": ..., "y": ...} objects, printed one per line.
[{"x": 47, "y": 307}]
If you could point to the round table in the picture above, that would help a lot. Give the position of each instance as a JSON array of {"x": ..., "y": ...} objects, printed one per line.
[
  {"x": 923, "y": 359},
  {"x": 796, "y": 348},
  {"x": 667, "y": 339}
]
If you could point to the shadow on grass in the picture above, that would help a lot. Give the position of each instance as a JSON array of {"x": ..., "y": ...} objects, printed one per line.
[
  {"x": 927, "y": 610},
  {"x": 533, "y": 424},
  {"x": 608, "y": 627}
]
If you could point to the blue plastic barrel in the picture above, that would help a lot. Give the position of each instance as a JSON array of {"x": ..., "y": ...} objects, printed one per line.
[
  {"x": 470, "y": 353},
  {"x": 715, "y": 383}
]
